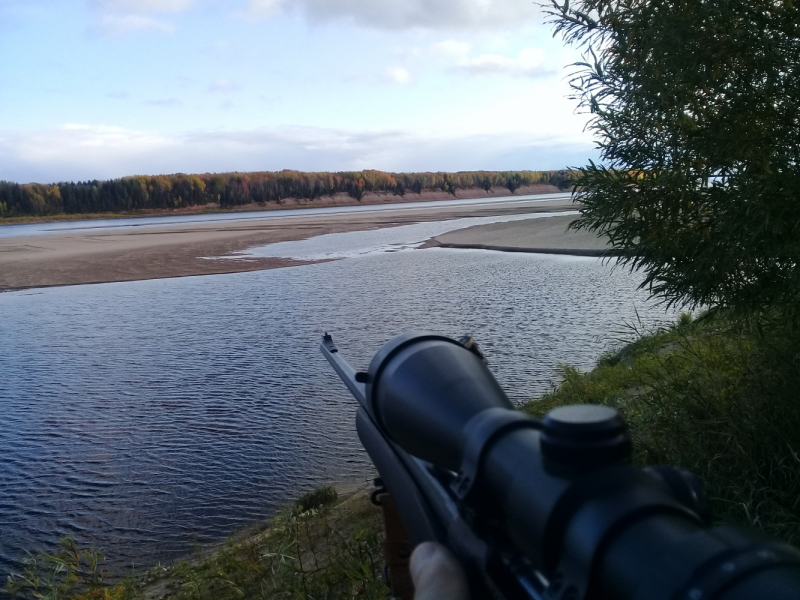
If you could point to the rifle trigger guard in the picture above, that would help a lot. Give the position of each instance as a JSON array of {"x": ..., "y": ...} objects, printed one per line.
[{"x": 480, "y": 433}]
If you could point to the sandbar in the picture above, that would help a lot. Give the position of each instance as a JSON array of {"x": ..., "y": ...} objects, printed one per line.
[
  {"x": 550, "y": 236},
  {"x": 183, "y": 250}
]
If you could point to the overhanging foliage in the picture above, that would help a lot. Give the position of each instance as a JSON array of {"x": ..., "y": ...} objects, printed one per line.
[{"x": 696, "y": 109}]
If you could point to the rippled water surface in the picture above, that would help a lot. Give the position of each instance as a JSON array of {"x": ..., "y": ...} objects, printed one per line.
[{"x": 148, "y": 416}]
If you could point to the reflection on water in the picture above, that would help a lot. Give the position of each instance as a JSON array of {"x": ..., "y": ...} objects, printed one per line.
[{"x": 143, "y": 417}]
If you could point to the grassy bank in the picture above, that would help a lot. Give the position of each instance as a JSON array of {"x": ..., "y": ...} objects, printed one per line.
[
  {"x": 715, "y": 397},
  {"x": 322, "y": 546}
]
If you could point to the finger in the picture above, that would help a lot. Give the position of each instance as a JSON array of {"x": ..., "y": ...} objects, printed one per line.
[{"x": 437, "y": 574}]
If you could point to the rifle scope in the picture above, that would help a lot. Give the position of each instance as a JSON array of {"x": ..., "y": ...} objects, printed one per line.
[{"x": 561, "y": 491}]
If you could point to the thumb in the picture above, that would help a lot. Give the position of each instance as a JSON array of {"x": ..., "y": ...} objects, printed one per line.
[{"x": 437, "y": 574}]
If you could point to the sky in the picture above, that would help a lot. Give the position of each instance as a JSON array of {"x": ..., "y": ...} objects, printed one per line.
[{"x": 97, "y": 89}]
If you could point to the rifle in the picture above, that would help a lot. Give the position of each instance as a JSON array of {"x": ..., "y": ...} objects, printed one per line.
[{"x": 545, "y": 509}]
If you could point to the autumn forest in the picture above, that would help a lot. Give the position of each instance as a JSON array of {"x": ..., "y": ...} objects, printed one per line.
[{"x": 228, "y": 190}]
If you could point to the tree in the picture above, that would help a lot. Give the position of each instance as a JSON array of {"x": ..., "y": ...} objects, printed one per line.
[
  {"x": 232, "y": 189},
  {"x": 696, "y": 108}
]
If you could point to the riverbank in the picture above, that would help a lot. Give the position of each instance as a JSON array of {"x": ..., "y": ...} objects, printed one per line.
[
  {"x": 717, "y": 397},
  {"x": 326, "y": 544},
  {"x": 368, "y": 199},
  {"x": 186, "y": 250}
]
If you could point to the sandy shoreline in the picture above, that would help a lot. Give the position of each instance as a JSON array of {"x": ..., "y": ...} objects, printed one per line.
[
  {"x": 549, "y": 236},
  {"x": 178, "y": 251}
]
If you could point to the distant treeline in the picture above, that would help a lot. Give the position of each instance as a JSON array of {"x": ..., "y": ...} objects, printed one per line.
[{"x": 235, "y": 189}]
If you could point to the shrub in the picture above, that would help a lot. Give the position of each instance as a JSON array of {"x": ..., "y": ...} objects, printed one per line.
[{"x": 716, "y": 398}]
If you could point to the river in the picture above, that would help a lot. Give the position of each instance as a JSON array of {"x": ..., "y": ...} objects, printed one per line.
[
  {"x": 121, "y": 224},
  {"x": 146, "y": 417}
]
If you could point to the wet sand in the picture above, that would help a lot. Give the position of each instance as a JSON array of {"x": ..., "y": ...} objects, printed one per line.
[
  {"x": 179, "y": 251},
  {"x": 549, "y": 236}
]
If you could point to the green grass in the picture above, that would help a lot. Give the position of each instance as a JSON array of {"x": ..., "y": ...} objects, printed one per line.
[
  {"x": 717, "y": 398},
  {"x": 318, "y": 548}
]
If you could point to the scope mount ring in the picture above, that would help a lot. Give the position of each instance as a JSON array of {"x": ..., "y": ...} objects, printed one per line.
[{"x": 480, "y": 433}]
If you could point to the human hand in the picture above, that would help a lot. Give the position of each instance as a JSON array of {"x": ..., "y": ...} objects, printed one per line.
[{"x": 437, "y": 574}]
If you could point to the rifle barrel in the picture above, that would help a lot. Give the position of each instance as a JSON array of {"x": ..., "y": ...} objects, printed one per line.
[{"x": 344, "y": 370}]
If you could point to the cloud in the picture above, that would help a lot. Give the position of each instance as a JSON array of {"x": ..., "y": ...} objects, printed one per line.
[
  {"x": 164, "y": 102},
  {"x": 81, "y": 152},
  {"x": 68, "y": 151},
  {"x": 263, "y": 8},
  {"x": 147, "y": 6},
  {"x": 118, "y": 17},
  {"x": 450, "y": 48},
  {"x": 398, "y": 75},
  {"x": 115, "y": 25},
  {"x": 405, "y": 14},
  {"x": 222, "y": 85},
  {"x": 529, "y": 63}
]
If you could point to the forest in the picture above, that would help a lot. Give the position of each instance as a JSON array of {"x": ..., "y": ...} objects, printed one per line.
[{"x": 235, "y": 189}]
